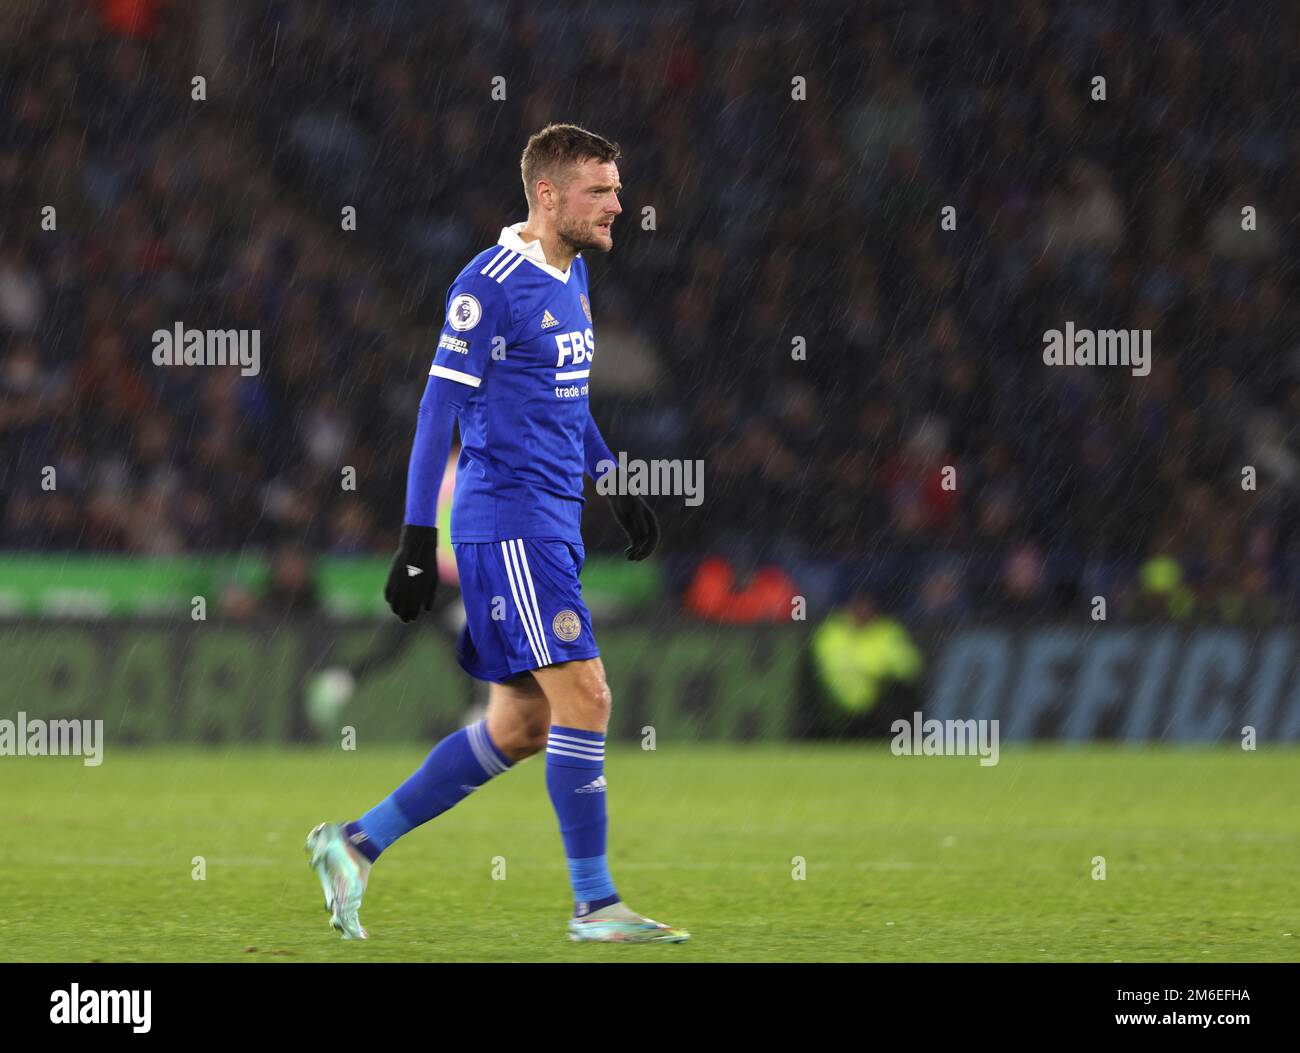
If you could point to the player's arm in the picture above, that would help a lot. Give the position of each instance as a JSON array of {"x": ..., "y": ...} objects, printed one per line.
[
  {"x": 633, "y": 514},
  {"x": 478, "y": 314}
]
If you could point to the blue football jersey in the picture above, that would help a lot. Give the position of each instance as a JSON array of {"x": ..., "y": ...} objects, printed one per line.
[{"x": 518, "y": 333}]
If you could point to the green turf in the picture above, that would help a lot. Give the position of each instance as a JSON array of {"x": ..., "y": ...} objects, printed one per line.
[{"x": 908, "y": 859}]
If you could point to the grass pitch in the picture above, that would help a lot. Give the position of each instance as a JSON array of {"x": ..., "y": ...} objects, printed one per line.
[{"x": 905, "y": 858}]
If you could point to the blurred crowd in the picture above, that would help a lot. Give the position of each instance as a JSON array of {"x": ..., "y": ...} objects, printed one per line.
[{"x": 790, "y": 311}]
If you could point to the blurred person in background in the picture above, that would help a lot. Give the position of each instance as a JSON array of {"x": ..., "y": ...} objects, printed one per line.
[
  {"x": 866, "y": 668},
  {"x": 291, "y": 586}
]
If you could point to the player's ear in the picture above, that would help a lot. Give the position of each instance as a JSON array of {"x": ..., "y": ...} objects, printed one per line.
[{"x": 543, "y": 192}]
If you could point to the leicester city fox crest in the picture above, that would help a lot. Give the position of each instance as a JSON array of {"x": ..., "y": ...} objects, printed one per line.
[{"x": 567, "y": 625}]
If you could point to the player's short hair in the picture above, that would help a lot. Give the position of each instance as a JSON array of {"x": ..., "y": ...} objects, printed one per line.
[{"x": 557, "y": 146}]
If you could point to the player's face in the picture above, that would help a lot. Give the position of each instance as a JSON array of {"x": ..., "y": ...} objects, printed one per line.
[{"x": 588, "y": 206}]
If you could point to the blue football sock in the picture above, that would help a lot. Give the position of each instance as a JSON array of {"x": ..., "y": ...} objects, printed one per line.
[
  {"x": 454, "y": 768},
  {"x": 575, "y": 779}
]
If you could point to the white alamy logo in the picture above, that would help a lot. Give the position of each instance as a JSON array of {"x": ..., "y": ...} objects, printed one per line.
[
  {"x": 597, "y": 785},
  {"x": 179, "y": 346},
  {"x": 657, "y": 478},
  {"x": 76, "y": 1006},
  {"x": 1098, "y": 347},
  {"x": 53, "y": 738},
  {"x": 945, "y": 738}
]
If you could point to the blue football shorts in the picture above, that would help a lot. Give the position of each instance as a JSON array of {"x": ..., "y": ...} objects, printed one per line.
[{"x": 523, "y": 607}]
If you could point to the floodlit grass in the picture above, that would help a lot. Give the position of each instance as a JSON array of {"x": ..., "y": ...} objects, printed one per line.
[{"x": 907, "y": 858}]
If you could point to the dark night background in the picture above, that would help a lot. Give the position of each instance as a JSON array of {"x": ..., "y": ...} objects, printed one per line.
[{"x": 775, "y": 219}]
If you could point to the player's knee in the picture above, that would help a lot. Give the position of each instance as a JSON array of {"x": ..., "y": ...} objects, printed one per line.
[
  {"x": 580, "y": 698},
  {"x": 532, "y": 738},
  {"x": 599, "y": 700},
  {"x": 523, "y": 739},
  {"x": 516, "y": 733}
]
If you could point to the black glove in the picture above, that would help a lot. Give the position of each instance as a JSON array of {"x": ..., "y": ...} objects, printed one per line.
[
  {"x": 413, "y": 577},
  {"x": 638, "y": 522}
]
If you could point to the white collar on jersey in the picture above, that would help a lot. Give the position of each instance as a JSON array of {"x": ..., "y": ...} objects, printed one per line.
[{"x": 531, "y": 251}]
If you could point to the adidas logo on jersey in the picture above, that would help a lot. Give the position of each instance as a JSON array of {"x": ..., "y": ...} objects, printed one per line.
[
  {"x": 549, "y": 320},
  {"x": 597, "y": 785}
]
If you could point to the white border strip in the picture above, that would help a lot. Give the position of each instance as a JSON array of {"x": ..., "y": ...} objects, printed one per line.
[
  {"x": 454, "y": 374},
  {"x": 519, "y": 605},
  {"x": 532, "y": 595}
]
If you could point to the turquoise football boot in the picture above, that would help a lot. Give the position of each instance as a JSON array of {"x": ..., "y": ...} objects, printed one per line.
[
  {"x": 343, "y": 872},
  {"x": 618, "y": 924}
]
